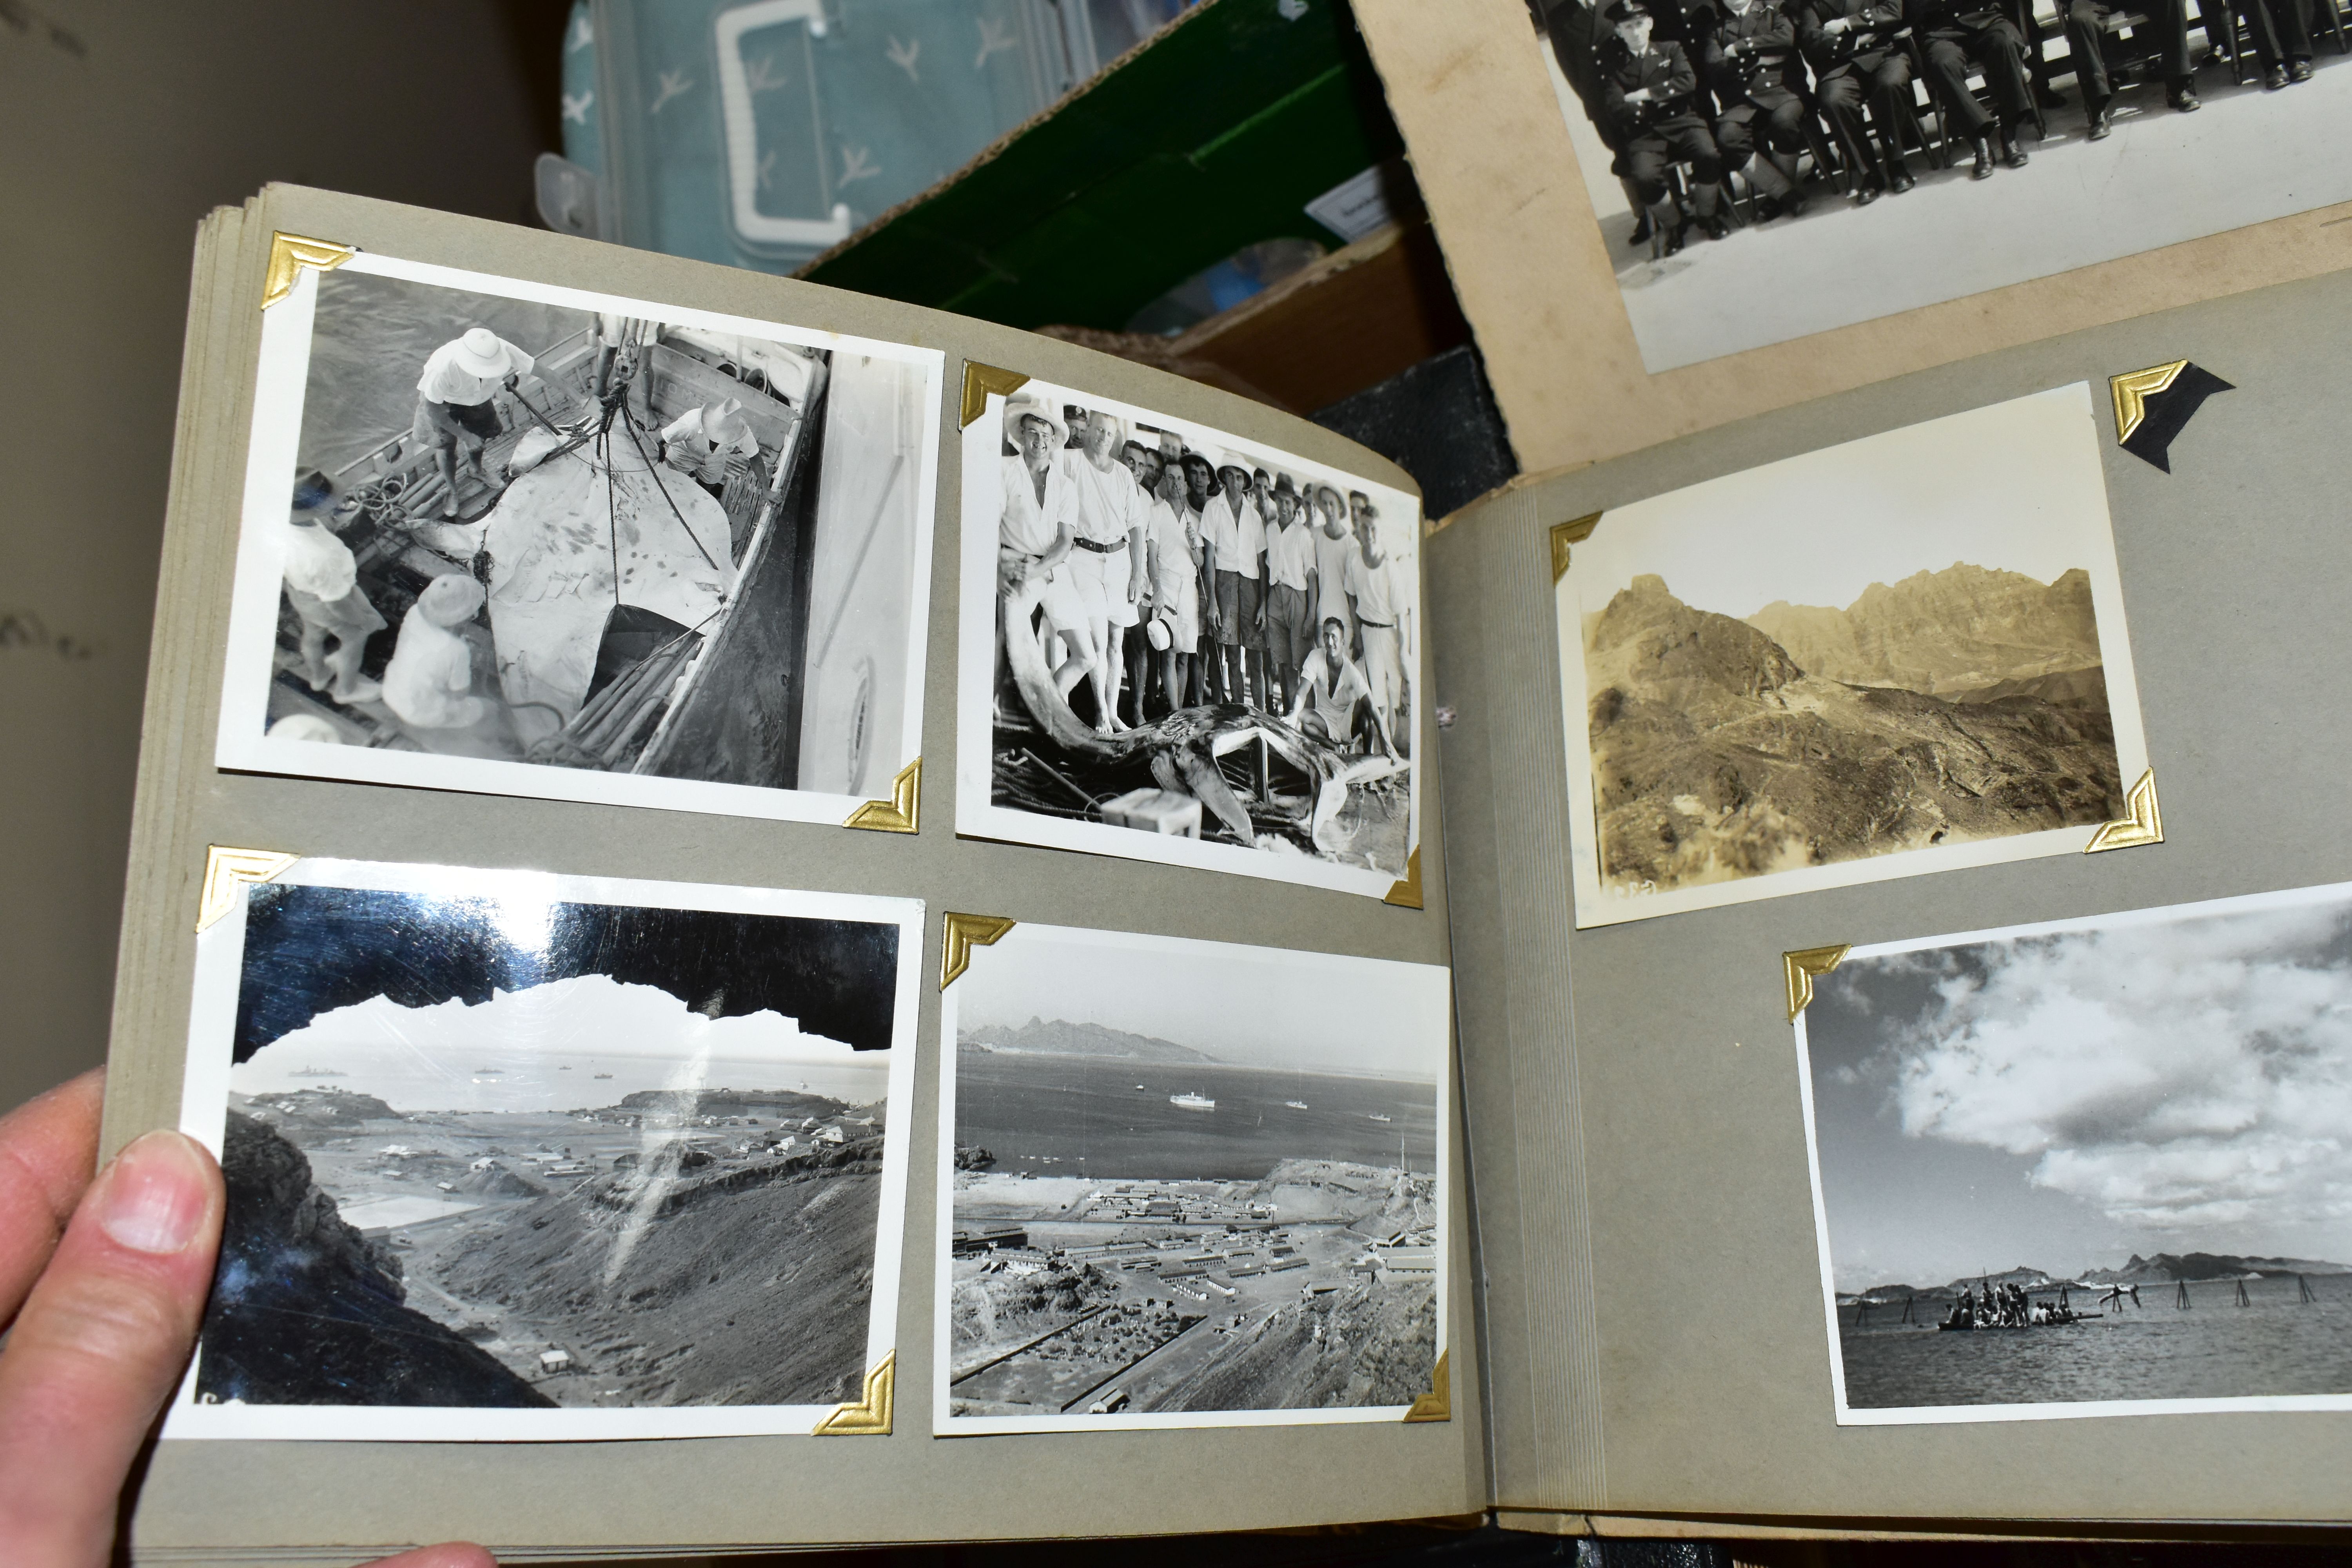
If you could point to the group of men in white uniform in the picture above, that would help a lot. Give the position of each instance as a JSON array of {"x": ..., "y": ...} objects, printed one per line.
[{"x": 1168, "y": 574}]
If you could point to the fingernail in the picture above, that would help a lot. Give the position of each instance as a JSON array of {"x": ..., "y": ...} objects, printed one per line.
[{"x": 155, "y": 1194}]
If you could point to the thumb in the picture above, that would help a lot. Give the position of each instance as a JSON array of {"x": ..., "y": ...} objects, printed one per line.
[{"x": 100, "y": 1345}]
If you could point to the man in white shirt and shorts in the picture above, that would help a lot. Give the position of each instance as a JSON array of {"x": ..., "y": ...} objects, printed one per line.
[
  {"x": 1382, "y": 597},
  {"x": 1108, "y": 520},
  {"x": 1334, "y": 703},
  {"x": 1033, "y": 540},
  {"x": 455, "y": 406}
]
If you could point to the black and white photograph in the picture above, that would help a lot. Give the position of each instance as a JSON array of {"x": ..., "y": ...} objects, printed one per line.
[
  {"x": 1188, "y": 1183},
  {"x": 515, "y": 539},
  {"x": 2093, "y": 1167},
  {"x": 1763, "y": 170},
  {"x": 1901, "y": 655},
  {"x": 1182, "y": 646},
  {"x": 514, "y": 1156}
]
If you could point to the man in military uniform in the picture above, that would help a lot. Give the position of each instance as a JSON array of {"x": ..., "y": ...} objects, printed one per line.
[
  {"x": 2281, "y": 35},
  {"x": 1650, "y": 91},
  {"x": 1749, "y": 48},
  {"x": 1857, "y": 65},
  {"x": 1964, "y": 32},
  {"x": 2086, "y": 26}
]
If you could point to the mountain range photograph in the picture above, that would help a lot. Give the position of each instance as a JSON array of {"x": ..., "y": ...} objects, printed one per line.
[
  {"x": 1860, "y": 653},
  {"x": 1955, "y": 705}
]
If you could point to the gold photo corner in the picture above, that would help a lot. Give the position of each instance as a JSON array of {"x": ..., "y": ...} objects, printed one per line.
[
  {"x": 2131, "y": 390},
  {"x": 870, "y": 1416},
  {"x": 2144, "y": 824},
  {"x": 902, "y": 813},
  {"x": 225, "y": 870},
  {"x": 289, "y": 253},
  {"x": 979, "y": 381},
  {"x": 1437, "y": 1404},
  {"x": 1575, "y": 531},
  {"x": 959, "y": 934},
  {"x": 1406, "y": 894},
  {"x": 1800, "y": 966}
]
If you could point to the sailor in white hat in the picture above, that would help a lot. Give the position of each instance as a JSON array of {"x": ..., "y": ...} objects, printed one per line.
[
  {"x": 455, "y": 409},
  {"x": 701, "y": 440},
  {"x": 1033, "y": 540},
  {"x": 1235, "y": 532}
]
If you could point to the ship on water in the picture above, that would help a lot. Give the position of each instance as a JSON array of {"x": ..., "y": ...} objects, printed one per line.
[
  {"x": 1192, "y": 1103},
  {"x": 1378, "y": 1117},
  {"x": 318, "y": 1072},
  {"x": 1295, "y": 1104}
]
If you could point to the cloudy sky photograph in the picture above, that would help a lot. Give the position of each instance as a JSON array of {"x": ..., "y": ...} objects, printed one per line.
[{"x": 2065, "y": 1096}]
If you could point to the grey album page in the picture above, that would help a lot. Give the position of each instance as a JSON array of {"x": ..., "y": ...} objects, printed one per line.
[
  {"x": 2028, "y": 1214},
  {"x": 297, "y": 1496}
]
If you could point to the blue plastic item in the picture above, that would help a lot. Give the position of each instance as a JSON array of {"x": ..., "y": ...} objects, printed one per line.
[{"x": 759, "y": 133}]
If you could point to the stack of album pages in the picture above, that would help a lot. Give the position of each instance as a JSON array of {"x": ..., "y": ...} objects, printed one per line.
[{"x": 793, "y": 916}]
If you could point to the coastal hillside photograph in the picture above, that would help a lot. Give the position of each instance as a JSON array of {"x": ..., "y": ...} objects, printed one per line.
[
  {"x": 614, "y": 1165},
  {"x": 1866, "y": 661},
  {"x": 1243, "y": 1219},
  {"x": 2090, "y": 1167}
]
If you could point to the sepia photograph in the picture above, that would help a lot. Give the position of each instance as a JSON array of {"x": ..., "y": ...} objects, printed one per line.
[
  {"x": 1902, "y": 654},
  {"x": 1188, "y": 1183},
  {"x": 514, "y": 1156},
  {"x": 1763, "y": 170},
  {"x": 1181, "y": 646},
  {"x": 515, "y": 539},
  {"x": 2094, "y": 1167}
]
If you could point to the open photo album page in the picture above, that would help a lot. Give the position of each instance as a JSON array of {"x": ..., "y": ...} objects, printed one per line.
[
  {"x": 1179, "y": 644},
  {"x": 516, "y": 539},
  {"x": 1188, "y": 1183},
  {"x": 529, "y": 1157}
]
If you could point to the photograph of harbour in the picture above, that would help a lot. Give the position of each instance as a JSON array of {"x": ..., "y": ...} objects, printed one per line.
[
  {"x": 2093, "y": 1167},
  {"x": 1859, "y": 663},
  {"x": 616, "y": 1170},
  {"x": 531, "y": 541},
  {"x": 1188, "y": 1184}
]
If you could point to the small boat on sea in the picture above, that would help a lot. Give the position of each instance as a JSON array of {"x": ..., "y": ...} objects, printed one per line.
[
  {"x": 318, "y": 1072},
  {"x": 604, "y": 1075},
  {"x": 1378, "y": 1117},
  {"x": 1138, "y": 1089},
  {"x": 1295, "y": 1104},
  {"x": 1191, "y": 1102}
]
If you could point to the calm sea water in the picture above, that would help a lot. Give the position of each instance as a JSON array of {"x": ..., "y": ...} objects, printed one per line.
[
  {"x": 369, "y": 344},
  {"x": 1087, "y": 1113},
  {"x": 536, "y": 1080},
  {"x": 2215, "y": 1350}
]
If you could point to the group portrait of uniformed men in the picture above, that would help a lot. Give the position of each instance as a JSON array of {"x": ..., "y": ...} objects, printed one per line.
[
  {"x": 1161, "y": 572},
  {"x": 1713, "y": 89}
]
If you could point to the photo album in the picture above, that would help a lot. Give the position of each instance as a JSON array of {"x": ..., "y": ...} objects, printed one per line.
[{"x": 789, "y": 914}]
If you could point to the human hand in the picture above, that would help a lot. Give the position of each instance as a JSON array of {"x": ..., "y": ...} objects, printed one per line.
[{"x": 103, "y": 1286}]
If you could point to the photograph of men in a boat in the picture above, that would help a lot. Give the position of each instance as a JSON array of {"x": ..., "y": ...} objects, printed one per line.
[
  {"x": 2091, "y": 1167},
  {"x": 522, "y": 1144},
  {"x": 555, "y": 541},
  {"x": 1877, "y": 659},
  {"x": 1188, "y": 1182},
  {"x": 1200, "y": 646}
]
